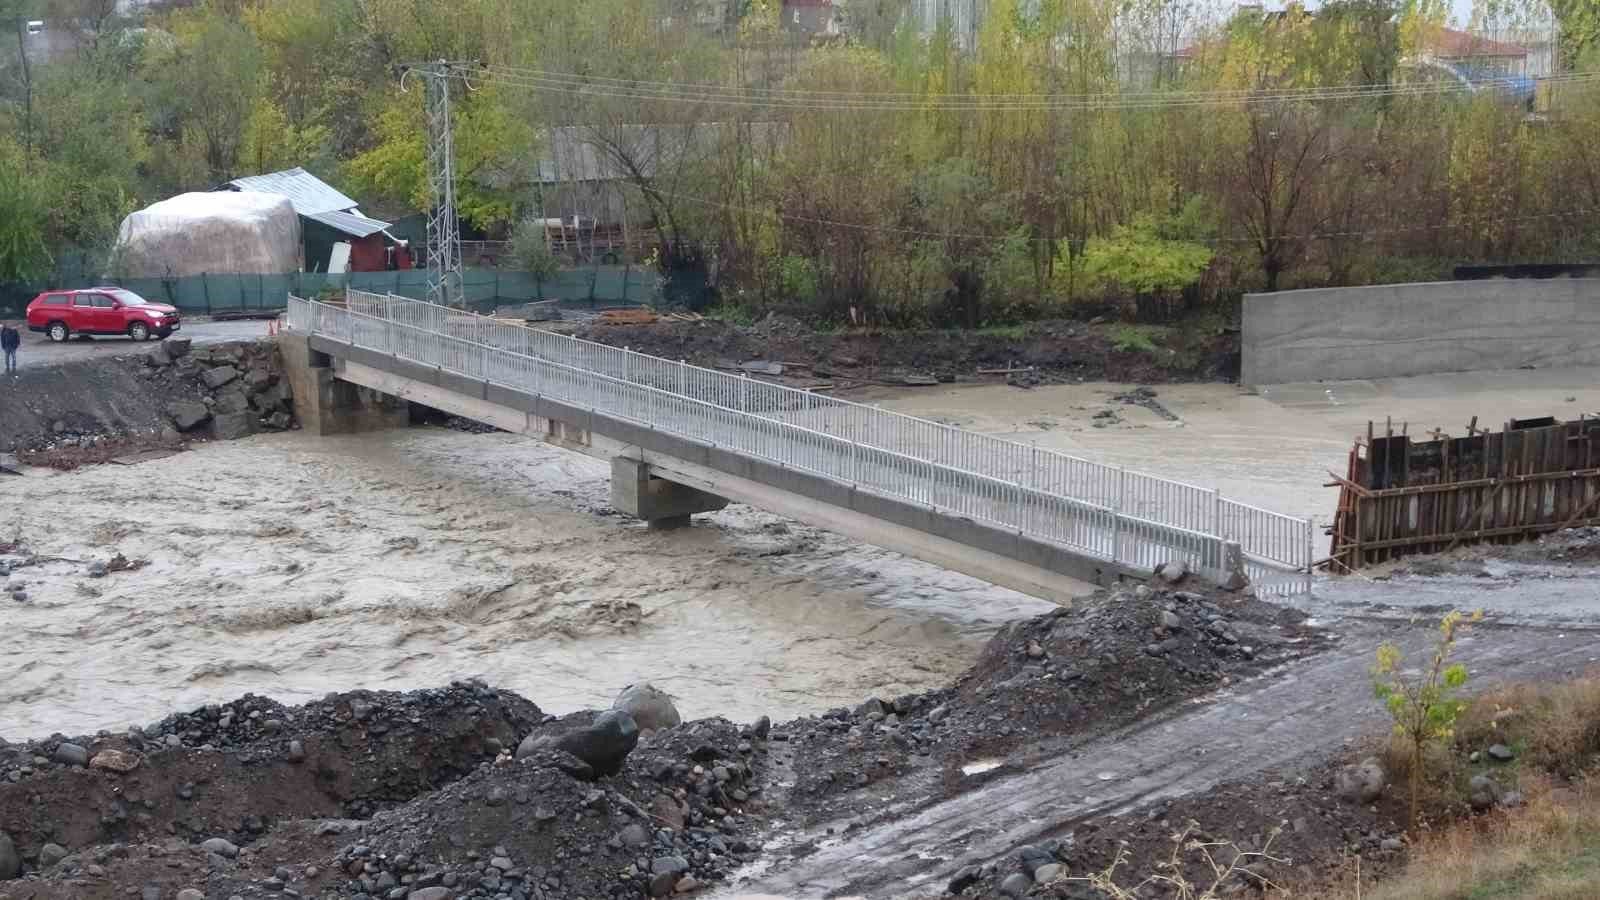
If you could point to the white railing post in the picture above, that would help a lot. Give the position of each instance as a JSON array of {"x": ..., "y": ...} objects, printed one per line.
[
  {"x": 1116, "y": 517},
  {"x": 1216, "y": 512}
]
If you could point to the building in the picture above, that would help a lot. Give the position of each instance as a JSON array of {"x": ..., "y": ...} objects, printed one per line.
[
  {"x": 338, "y": 238},
  {"x": 812, "y": 17}
]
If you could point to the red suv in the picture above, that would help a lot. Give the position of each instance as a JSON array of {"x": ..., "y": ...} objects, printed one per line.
[{"x": 101, "y": 310}]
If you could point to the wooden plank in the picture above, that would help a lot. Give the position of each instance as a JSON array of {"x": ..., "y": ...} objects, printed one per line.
[{"x": 1513, "y": 531}]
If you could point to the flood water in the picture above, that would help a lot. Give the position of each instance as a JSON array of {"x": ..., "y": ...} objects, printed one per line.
[{"x": 292, "y": 566}]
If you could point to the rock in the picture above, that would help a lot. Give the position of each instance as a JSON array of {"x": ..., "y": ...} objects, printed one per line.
[
  {"x": 191, "y": 894},
  {"x": 280, "y": 420},
  {"x": 1501, "y": 753},
  {"x": 669, "y": 865},
  {"x": 963, "y": 879},
  {"x": 50, "y": 854},
  {"x": 687, "y": 883},
  {"x": 1035, "y": 650},
  {"x": 762, "y": 728},
  {"x": 232, "y": 426},
  {"x": 115, "y": 761},
  {"x": 1016, "y": 885},
  {"x": 188, "y": 415},
  {"x": 1511, "y": 800},
  {"x": 177, "y": 347},
  {"x": 662, "y": 885},
  {"x": 297, "y": 751},
  {"x": 158, "y": 357},
  {"x": 1171, "y": 622},
  {"x": 1483, "y": 793},
  {"x": 1361, "y": 783},
  {"x": 1173, "y": 571},
  {"x": 650, "y": 707},
  {"x": 1048, "y": 873},
  {"x": 221, "y": 375},
  {"x": 603, "y": 745},
  {"x": 221, "y": 847},
  {"x": 232, "y": 400},
  {"x": 97, "y": 569},
  {"x": 1392, "y": 845},
  {"x": 430, "y": 893},
  {"x": 938, "y": 714},
  {"x": 872, "y": 705},
  {"x": 634, "y": 835},
  {"x": 258, "y": 378},
  {"x": 10, "y": 862},
  {"x": 72, "y": 755},
  {"x": 502, "y": 863}
]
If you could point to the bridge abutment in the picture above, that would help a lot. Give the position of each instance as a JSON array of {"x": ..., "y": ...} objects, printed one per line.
[
  {"x": 326, "y": 405},
  {"x": 662, "y": 503}
]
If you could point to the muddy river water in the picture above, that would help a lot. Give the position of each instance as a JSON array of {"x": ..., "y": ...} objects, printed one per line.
[{"x": 292, "y": 566}]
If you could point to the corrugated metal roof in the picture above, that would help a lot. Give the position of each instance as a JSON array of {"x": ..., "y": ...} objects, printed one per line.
[
  {"x": 309, "y": 194},
  {"x": 349, "y": 223}
]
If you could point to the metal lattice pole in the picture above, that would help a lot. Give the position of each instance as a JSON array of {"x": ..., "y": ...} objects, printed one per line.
[{"x": 444, "y": 233}]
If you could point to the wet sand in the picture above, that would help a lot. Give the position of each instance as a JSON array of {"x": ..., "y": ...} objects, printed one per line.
[{"x": 292, "y": 567}]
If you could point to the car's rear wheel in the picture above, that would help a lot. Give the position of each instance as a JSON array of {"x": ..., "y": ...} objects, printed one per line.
[
  {"x": 139, "y": 331},
  {"x": 59, "y": 332}
]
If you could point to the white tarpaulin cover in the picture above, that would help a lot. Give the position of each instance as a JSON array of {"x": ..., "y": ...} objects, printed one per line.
[{"x": 219, "y": 232}]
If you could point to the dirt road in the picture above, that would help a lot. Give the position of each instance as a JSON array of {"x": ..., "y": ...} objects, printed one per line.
[
  {"x": 1296, "y": 716},
  {"x": 38, "y": 350}
]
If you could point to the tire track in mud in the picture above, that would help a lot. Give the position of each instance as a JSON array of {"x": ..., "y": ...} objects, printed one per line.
[{"x": 1293, "y": 717}]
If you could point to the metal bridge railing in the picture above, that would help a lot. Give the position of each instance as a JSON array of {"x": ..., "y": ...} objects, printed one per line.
[{"x": 1112, "y": 513}]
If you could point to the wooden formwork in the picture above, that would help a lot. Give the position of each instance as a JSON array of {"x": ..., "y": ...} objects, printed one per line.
[{"x": 1400, "y": 495}]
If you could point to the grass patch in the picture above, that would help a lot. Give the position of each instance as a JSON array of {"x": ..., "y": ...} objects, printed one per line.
[{"x": 1548, "y": 850}]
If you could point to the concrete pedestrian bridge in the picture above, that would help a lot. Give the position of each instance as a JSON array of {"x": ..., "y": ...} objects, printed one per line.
[{"x": 683, "y": 440}]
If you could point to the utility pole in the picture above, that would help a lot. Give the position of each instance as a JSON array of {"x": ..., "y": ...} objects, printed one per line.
[{"x": 444, "y": 273}]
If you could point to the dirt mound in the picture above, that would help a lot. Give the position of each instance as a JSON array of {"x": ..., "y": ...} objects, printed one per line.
[
  {"x": 234, "y": 770},
  {"x": 1058, "y": 349},
  {"x": 1100, "y": 664},
  {"x": 89, "y": 411},
  {"x": 362, "y": 794}
]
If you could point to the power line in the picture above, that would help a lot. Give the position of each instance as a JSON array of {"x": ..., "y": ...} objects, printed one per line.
[{"x": 725, "y": 95}]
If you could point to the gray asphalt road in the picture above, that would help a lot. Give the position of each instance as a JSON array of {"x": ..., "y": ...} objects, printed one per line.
[{"x": 37, "y": 350}]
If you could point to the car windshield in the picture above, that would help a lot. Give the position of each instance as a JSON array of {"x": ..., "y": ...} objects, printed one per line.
[{"x": 130, "y": 298}]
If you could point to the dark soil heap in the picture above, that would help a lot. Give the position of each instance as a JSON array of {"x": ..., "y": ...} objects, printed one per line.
[
  {"x": 1069, "y": 675},
  {"x": 1059, "y": 350},
  {"x": 91, "y": 411}
]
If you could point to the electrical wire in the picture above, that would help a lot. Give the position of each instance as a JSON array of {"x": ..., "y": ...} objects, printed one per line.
[
  {"x": 953, "y": 235},
  {"x": 586, "y": 86}
]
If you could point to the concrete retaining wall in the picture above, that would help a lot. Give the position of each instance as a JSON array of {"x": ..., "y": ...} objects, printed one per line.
[{"x": 1389, "y": 331}]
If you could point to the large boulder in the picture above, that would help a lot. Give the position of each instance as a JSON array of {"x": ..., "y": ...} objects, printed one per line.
[
  {"x": 1483, "y": 793},
  {"x": 188, "y": 415},
  {"x": 603, "y": 745},
  {"x": 1362, "y": 783},
  {"x": 650, "y": 707},
  {"x": 232, "y": 426}
]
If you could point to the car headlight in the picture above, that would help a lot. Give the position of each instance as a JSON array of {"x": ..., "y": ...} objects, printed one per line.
[{"x": 155, "y": 313}]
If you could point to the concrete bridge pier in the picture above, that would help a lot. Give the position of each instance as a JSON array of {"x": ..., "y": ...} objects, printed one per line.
[
  {"x": 326, "y": 405},
  {"x": 661, "y": 503}
]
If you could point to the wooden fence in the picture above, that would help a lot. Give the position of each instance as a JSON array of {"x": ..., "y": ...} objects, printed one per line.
[{"x": 1401, "y": 495}]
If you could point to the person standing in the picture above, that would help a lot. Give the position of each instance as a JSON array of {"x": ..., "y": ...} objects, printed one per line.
[{"x": 10, "y": 340}]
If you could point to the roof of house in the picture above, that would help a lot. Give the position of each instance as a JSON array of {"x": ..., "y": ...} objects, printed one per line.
[
  {"x": 583, "y": 153},
  {"x": 1449, "y": 43},
  {"x": 314, "y": 199}
]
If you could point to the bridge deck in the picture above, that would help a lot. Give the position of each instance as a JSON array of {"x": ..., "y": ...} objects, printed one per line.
[{"x": 1130, "y": 521}]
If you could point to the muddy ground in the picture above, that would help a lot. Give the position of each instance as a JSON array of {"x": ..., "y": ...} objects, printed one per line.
[{"x": 1057, "y": 351}]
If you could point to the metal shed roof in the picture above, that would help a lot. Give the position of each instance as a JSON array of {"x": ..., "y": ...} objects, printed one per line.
[
  {"x": 309, "y": 194},
  {"x": 353, "y": 224}
]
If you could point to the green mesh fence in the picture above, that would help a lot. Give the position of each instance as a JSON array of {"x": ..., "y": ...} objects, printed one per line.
[{"x": 483, "y": 288}]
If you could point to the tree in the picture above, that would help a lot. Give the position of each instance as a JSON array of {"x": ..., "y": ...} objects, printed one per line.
[
  {"x": 24, "y": 219},
  {"x": 226, "y": 57},
  {"x": 1140, "y": 259},
  {"x": 1286, "y": 149},
  {"x": 531, "y": 248},
  {"x": 1424, "y": 708}
]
